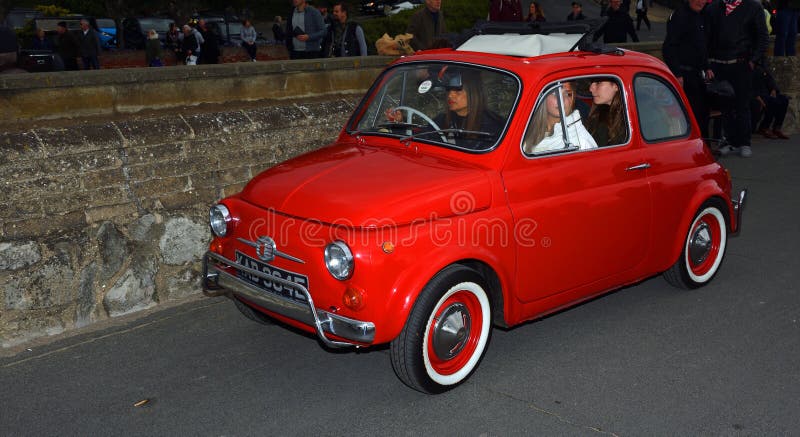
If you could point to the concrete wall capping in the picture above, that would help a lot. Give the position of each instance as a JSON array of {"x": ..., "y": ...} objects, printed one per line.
[
  {"x": 144, "y": 75},
  {"x": 116, "y": 92}
]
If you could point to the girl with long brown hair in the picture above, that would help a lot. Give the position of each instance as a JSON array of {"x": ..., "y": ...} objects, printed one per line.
[{"x": 606, "y": 120}]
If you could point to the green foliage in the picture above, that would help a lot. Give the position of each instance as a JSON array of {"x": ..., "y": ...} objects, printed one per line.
[
  {"x": 96, "y": 8},
  {"x": 459, "y": 15},
  {"x": 52, "y": 10}
]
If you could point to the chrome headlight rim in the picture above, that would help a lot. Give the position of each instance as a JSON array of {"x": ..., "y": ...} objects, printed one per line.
[
  {"x": 339, "y": 260},
  {"x": 218, "y": 218}
]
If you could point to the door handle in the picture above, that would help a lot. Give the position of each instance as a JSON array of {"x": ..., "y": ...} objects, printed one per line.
[{"x": 638, "y": 167}]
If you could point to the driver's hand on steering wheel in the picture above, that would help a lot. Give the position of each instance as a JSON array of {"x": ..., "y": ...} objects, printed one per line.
[{"x": 394, "y": 115}]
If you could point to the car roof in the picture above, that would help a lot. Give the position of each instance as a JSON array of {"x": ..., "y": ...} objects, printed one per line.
[
  {"x": 542, "y": 47},
  {"x": 542, "y": 64},
  {"x": 521, "y": 45}
]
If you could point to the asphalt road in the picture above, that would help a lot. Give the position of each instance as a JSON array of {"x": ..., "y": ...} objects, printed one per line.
[{"x": 645, "y": 360}]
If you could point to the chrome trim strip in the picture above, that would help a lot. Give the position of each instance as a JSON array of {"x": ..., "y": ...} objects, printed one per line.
[
  {"x": 738, "y": 206},
  {"x": 216, "y": 278},
  {"x": 277, "y": 252}
]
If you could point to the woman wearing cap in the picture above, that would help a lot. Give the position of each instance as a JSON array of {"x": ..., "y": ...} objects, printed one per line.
[{"x": 467, "y": 122}]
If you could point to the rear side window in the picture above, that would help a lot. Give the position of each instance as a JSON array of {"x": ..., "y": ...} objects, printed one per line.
[{"x": 661, "y": 114}]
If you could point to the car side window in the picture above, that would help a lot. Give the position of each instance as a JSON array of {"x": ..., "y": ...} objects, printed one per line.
[
  {"x": 556, "y": 124},
  {"x": 661, "y": 115}
]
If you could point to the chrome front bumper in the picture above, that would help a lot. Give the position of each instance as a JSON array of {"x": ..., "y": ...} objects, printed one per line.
[
  {"x": 216, "y": 278},
  {"x": 738, "y": 206}
]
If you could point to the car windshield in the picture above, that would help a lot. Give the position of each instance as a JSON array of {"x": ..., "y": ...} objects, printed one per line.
[
  {"x": 454, "y": 105},
  {"x": 159, "y": 24}
]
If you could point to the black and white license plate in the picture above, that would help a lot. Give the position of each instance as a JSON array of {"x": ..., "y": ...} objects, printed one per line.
[{"x": 272, "y": 286}]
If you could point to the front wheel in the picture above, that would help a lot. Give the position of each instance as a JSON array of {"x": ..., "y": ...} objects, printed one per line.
[
  {"x": 446, "y": 333},
  {"x": 703, "y": 250}
]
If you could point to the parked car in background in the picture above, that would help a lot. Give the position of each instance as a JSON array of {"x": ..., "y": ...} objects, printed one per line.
[
  {"x": 388, "y": 7},
  {"x": 464, "y": 192},
  {"x": 375, "y": 7},
  {"x": 14, "y": 59},
  {"x": 9, "y": 49},
  {"x": 227, "y": 28},
  {"x": 18, "y": 17},
  {"x": 134, "y": 30},
  {"x": 107, "y": 30}
]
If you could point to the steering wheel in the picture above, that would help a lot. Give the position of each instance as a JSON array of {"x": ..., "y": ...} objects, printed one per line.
[{"x": 412, "y": 111}]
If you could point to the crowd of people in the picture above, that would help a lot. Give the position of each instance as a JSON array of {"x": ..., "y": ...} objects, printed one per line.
[
  {"x": 733, "y": 32},
  {"x": 717, "y": 51}
]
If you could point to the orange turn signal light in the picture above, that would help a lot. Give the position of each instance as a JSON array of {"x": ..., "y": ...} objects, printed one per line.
[
  {"x": 353, "y": 298},
  {"x": 387, "y": 247}
]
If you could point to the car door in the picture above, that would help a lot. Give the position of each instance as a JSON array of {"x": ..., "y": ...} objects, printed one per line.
[{"x": 580, "y": 216}]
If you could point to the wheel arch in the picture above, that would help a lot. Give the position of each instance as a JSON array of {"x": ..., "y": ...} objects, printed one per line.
[
  {"x": 409, "y": 286},
  {"x": 718, "y": 200}
]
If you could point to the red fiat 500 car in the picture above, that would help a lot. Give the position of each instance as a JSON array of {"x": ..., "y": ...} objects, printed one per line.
[{"x": 485, "y": 185}]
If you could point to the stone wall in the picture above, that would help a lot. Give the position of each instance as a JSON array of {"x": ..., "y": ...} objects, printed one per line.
[{"x": 103, "y": 219}]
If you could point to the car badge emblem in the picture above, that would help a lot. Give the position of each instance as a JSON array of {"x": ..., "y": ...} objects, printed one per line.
[{"x": 265, "y": 248}]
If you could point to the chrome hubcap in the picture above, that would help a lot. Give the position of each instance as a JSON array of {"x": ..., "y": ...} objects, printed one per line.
[
  {"x": 700, "y": 244},
  {"x": 451, "y": 331}
]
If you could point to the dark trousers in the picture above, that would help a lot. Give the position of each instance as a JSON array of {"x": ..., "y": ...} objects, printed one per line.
[
  {"x": 774, "y": 112},
  {"x": 90, "y": 63},
  {"x": 785, "y": 32},
  {"x": 736, "y": 118},
  {"x": 695, "y": 89},
  {"x": 640, "y": 16},
  {"x": 250, "y": 49}
]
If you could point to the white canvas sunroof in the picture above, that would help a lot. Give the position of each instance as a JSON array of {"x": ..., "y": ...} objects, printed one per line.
[{"x": 521, "y": 45}]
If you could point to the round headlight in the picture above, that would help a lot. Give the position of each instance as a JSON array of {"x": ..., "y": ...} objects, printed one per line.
[
  {"x": 339, "y": 260},
  {"x": 218, "y": 218}
]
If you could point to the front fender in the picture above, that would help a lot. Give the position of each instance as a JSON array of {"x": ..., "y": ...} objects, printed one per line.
[{"x": 415, "y": 266}]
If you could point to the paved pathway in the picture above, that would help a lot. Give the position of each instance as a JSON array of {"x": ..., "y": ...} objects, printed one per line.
[{"x": 647, "y": 360}]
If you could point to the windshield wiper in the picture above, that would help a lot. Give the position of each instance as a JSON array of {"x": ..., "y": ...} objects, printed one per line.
[
  {"x": 401, "y": 124},
  {"x": 442, "y": 132}
]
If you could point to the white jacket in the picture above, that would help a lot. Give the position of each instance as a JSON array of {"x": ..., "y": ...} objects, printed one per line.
[{"x": 576, "y": 132}]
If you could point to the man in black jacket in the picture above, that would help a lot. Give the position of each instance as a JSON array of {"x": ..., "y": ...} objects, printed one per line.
[
  {"x": 67, "y": 46},
  {"x": 347, "y": 37},
  {"x": 684, "y": 54},
  {"x": 89, "y": 44},
  {"x": 737, "y": 41},
  {"x": 618, "y": 26}
]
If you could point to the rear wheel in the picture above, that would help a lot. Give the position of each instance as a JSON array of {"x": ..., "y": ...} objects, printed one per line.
[
  {"x": 446, "y": 333},
  {"x": 703, "y": 249}
]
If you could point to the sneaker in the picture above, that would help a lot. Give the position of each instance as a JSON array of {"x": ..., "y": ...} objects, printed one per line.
[
  {"x": 745, "y": 152},
  {"x": 777, "y": 133},
  {"x": 727, "y": 149}
]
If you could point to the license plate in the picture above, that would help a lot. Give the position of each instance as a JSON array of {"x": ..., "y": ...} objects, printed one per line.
[{"x": 271, "y": 286}]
